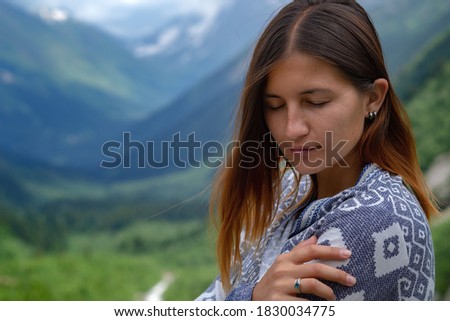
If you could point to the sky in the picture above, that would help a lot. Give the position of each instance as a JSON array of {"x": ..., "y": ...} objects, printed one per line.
[
  {"x": 112, "y": 14},
  {"x": 137, "y": 18},
  {"x": 103, "y": 9}
]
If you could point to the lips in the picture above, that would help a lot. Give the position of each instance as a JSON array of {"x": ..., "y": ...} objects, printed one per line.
[{"x": 304, "y": 149}]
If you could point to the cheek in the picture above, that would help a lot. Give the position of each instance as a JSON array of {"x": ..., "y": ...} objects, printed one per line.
[
  {"x": 348, "y": 126},
  {"x": 274, "y": 124},
  {"x": 354, "y": 130}
]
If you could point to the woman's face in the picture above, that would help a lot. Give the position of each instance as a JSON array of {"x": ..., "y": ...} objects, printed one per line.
[{"x": 315, "y": 114}]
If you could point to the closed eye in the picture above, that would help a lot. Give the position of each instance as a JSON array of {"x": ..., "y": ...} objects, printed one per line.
[
  {"x": 275, "y": 107},
  {"x": 317, "y": 103},
  {"x": 274, "y": 104}
]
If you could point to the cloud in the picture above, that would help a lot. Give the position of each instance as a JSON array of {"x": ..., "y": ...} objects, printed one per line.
[
  {"x": 119, "y": 16},
  {"x": 131, "y": 2},
  {"x": 104, "y": 9},
  {"x": 164, "y": 42}
]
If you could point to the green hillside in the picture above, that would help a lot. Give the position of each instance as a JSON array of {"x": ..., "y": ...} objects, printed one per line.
[
  {"x": 440, "y": 232},
  {"x": 73, "y": 57},
  {"x": 66, "y": 87},
  {"x": 110, "y": 265},
  {"x": 405, "y": 26},
  {"x": 425, "y": 87}
]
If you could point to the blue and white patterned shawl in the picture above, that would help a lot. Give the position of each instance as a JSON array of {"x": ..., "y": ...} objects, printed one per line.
[{"x": 378, "y": 219}]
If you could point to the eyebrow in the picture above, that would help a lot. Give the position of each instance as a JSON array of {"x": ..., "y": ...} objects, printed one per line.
[{"x": 306, "y": 92}]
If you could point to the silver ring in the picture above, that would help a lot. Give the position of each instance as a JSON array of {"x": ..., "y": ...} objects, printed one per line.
[{"x": 297, "y": 285}]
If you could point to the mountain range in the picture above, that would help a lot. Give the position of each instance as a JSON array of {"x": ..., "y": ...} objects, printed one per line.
[
  {"x": 67, "y": 87},
  {"x": 60, "y": 97}
]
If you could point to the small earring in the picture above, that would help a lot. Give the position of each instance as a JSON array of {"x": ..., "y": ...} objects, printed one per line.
[{"x": 372, "y": 116}]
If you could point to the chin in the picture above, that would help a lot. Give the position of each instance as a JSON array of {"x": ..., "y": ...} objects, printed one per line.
[{"x": 308, "y": 170}]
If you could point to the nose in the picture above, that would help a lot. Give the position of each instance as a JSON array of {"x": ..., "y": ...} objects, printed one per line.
[{"x": 297, "y": 123}]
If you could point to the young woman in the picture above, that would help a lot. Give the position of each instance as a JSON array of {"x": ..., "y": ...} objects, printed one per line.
[{"x": 324, "y": 199}]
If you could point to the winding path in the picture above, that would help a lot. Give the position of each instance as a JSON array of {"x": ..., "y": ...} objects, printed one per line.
[{"x": 156, "y": 293}]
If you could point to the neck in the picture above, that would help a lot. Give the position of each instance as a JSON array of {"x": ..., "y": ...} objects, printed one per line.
[{"x": 334, "y": 180}]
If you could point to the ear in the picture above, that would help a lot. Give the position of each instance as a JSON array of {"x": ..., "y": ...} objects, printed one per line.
[{"x": 376, "y": 95}]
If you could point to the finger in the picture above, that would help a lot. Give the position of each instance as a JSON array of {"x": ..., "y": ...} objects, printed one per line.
[
  {"x": 313, "y": 252},
  {"x": 317, "y": 288},
  {"x": 325, "y": 272},
  {"x": 309, "y": 286},
  {"x": 310, "y": 241},
  {"x": 287, "y": 297}
]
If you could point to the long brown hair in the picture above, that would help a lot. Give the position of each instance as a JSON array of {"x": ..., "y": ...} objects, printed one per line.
[{"x": 342, "y": 34}]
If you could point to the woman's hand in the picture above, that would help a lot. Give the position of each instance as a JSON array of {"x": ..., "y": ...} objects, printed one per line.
[{"x": 278, "y": 284}]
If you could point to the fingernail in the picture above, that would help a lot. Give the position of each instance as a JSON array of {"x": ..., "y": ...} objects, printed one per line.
[
  {"x": 346, "y": 253},
  {"x": 351, "y": 280}
]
